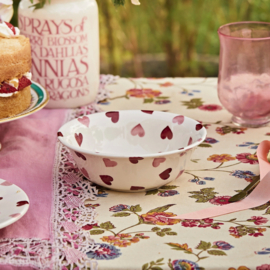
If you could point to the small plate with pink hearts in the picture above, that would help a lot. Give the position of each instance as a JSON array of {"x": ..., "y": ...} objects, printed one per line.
[
  {"x": 14, "y": 203},
  {"x": 132, "y": 150}
]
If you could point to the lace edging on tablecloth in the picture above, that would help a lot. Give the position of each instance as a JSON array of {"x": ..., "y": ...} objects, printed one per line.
[{"x": 72, "y": 213}]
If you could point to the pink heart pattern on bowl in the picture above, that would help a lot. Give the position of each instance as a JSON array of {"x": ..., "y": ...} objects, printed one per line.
[
  {"x": 106, "y": 179},
  {"x": 138, "y": 130},
  {"x": 114, "y": 115},
  {"x": 147, "y": 111},
  {"x": 135, "y": 160},
  {"x": 179, "y": 174},
  {"x": 84, "y": 120},
  {"x": 109, "y": 163},
  {"x": 136, "y": 188},
  {"x": 85, "y": 173},
  {"x": 179, "y": 119},
  {"x": 79, "y": 138},
  {"x": 156, "y": 162},
  {"x": 198, "y": 127},
  {"x": 166, "y": 133},
  {"x": 165, "y": 174},
  {"x": 125, "y": 152},
  {"x": 80, "y": 155}
]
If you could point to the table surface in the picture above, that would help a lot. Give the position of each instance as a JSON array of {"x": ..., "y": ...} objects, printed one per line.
[{"x": 221, "y": 166}]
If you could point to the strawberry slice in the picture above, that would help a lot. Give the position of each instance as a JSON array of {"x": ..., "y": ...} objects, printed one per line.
[
  {"x": 7, "y": 88},
  {"x": 11, "y": 27},
  {"x": 23, "y": 82}
]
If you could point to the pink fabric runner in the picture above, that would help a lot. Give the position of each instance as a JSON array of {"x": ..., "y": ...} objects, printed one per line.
[
  {"x": 259, "y": 196},
  {"x": 26, "y": 159}
]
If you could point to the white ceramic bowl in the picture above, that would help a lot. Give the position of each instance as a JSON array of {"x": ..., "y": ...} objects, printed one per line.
[{"x": 132, "y": 150}]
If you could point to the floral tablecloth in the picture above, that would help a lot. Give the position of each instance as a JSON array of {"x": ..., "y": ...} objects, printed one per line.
[
  {"x": 132, "y": 229},
  {"x": 96, "y": 228}
]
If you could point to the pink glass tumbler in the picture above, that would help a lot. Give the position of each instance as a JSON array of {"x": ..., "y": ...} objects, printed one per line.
[{"x": 244, "y": 72}]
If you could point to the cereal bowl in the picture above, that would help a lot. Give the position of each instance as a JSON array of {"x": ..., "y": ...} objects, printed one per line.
[{"x": 132, "y": 150}]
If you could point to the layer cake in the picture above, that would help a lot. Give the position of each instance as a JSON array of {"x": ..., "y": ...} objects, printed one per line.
[{"x": 15, "y": 76}]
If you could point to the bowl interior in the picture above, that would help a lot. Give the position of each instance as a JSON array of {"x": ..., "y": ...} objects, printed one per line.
[{"x": 136, "y": 133}]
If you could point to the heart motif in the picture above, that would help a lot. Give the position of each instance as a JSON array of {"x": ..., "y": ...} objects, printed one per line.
[
  {"x": 156, "y": 162},
  {"x": 182, "y": 154},
  {"x": 190, "y": 141},
  {"x": 138, "y": 130},
  {"x": 180, "y": 173},
  {"x": 166, "y": 174},
  {"x": 21, "y": 203},
  {"x": 114, "y": 115},
  {"x": 106, "y": 179},
  {"x": 147, "y": 111},
  {"x": 135, "y": 160},
  {"x": 179, "y": 119},
  {"x": 85, "y": 173},
  {"x": 79, "y": 138},
  {"x": 198, "y": 127},
  {"x": 109, "y": 163},
  {"x": 166, "y": 133},
  {"x": 60, "y": 134},
  {"x": 15, "y": 215},
  {"x": 80, "y": 155},
  {"x": 84, "y": 120},
  {"x": 136, "y": 188},
  {"x": 6, "y": 183}
]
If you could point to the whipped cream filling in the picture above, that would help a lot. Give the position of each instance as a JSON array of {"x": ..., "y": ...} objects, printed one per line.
[
  {"x": 6, "y": 10},
  {"x": 6, "y": 32},
  {"x": 8, "y": 94},
  {"x": 15, "y": 83}
]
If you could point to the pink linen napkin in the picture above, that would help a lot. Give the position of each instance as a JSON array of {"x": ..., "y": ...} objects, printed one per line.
[
  {"x": 259, "y": 196},
  {"x": 26, "y": 160}
]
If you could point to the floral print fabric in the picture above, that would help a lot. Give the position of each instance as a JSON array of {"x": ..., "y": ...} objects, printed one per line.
[
  {"x": 97, "y": 228},
  {"x": 133, "y": 230}
]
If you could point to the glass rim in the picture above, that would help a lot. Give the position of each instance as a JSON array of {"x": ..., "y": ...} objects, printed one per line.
[{"x": 243, "y": 22}]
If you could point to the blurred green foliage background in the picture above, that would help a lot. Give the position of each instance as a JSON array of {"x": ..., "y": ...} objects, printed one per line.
[{"x": 167, "y": 38}]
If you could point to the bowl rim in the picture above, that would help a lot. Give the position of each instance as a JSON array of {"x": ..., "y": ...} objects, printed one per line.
[{"x": 110, "y": 155}]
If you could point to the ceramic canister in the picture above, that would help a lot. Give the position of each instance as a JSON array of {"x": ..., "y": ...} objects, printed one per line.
[{"x": 64, "y": 37}]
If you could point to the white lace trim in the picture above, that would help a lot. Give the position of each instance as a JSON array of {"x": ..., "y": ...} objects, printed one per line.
[
  {"x": 70, "y": 213},
  {"x": 26, "y": 252}
]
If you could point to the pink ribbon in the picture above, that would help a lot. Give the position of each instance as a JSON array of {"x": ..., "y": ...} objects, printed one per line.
[{"x": 259, "y": 196}]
